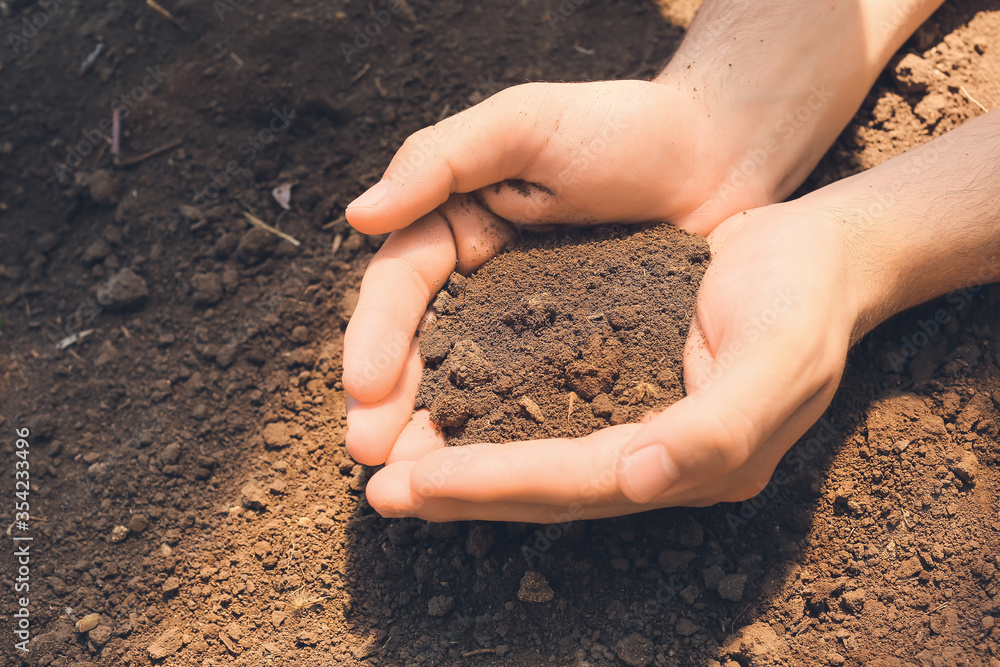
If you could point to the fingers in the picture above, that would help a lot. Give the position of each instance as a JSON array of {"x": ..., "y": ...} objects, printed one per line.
[
  {"x": 750, "y": 390},
  {"x": 372, "y": 428},
  {"x": 419, "y": 438},
  {"x": 392, "y": 495},
  {"x": 482, "y": 145},
  {"x": 409, "y": 269},
  {"x": 524, "y": 471}
]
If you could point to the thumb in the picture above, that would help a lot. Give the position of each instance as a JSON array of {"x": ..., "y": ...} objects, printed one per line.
[
  {"x": 739, "y": 396},
  {"x": 482, "y": 145}
]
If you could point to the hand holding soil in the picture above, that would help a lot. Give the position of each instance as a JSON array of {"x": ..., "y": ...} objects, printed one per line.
[{"x": 756, "y": 377}]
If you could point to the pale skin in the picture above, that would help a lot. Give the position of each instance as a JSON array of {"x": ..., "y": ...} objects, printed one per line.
[{"x": 791, "y": 285}]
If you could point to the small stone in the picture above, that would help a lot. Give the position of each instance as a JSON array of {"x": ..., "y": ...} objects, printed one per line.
[
  {"x": 635, "y": 650},
  {"x": 166, "y": 644},
  {"x": 47, "y": 242},
  {"x": 480, "y": 540},
  {"x": 276, "y": 435},
  {"x": 685, "y": 627},
  {"x": 123, "y": 291},
  {"x": 675, "y": 561},
  {"x": 401, "y": 533},
  {"x": 118, "y": 534},
  {"x": 277, "y": 618},
  {"x": 255, "y": 246},
  {"x": 731, "y": 586},
  {"x": 713, "y": 575},
  {"x": 88, "y": 622},
  {"x": 602, "y": 406},
  {"x": 620, "y": 564},
  {"x": 96, "y": 252},
  {"x": 170, "y": 454},
  {"x": 100, "y": 635},
  {"x": 835, "y": 659},
  {"x": 913, "y": 74},
  {"x": 440, "y": 605},
  {"x": 253, "y": 496},
  {"x": 300, "y": 335},
  {"x": 686, "y": 531},
  {"x": 966, "y": 469},
  {"x": 854, "y": 601},
  {"x": 207, "y": 288},
  {"x": 467, "y": 365},
  {"x": 930, "y": 108},
  {"x": 909, "y": 568},
  {"x": 171, "y": 587},
  {"x": 534, "y": 588},
  {"x": 532, "y": 409},
  {"x": 690, "y": 593},
  {"x": 104, "y": 188},
  {"x": 138, "y": 523}
]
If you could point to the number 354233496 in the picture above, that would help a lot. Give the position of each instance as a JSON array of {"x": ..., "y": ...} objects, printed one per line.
[{"x": 22, "y": 474}]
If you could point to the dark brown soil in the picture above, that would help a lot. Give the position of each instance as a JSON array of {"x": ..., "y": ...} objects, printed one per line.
[
  {"x": 203, "y": 412},
  {"x": 563, "y": 335}
]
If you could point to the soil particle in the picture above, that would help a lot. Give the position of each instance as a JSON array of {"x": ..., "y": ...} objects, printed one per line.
[
  {"x": 731, "y": 586},
  {"x": 482, "y": 537},
  {"x": 166, "y": 644},
  {"x": 96, "y": 251},
  {"x": 253, "y": 496},
  {"x": 913, "y": 74},
  {"x": 207, "y": 289},
  {"x": 103, "y": 188},
  {"x": 100, "y": 635},
  {"x": 534, "y": 588},
  {"x": 685, "y": 627},
  {"x": 635, "y": 650},
  {"x": 440, "y": 605},
  {"x": 255, "y": 246},
  {"x": 123, "y": 291},
  {"x": 675, "y": 561},
  {"x": 88, "y": 622}
]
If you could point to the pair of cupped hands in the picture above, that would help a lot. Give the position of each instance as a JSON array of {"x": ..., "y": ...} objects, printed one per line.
[{"x": 776, "y": 313}]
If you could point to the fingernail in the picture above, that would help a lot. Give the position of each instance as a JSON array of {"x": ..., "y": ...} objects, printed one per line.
[
  {"x": 648, "y": 472},
  {"x": 372, "y": 196}
]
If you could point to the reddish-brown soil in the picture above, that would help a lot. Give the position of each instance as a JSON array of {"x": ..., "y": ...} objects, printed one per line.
[
  {"x": 563, "y": 335},
  {"x": 203, "y": 413}
]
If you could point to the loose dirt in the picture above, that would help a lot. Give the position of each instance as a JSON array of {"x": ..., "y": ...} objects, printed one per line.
[
  {"x": 562, "y": 335},
  {"x": 179, "y": 372}
]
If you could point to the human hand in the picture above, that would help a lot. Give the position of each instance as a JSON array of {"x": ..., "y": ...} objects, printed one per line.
[
  {"x": 775, "y": 316},
  {"x": 533, "y": 155}
]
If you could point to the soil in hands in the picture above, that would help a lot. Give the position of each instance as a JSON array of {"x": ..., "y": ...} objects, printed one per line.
[{"x": 563, "y": 335}]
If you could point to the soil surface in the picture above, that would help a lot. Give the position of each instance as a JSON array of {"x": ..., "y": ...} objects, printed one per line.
[
  {"x": 178, "y": 371},
  {"x": 562, "y": 335}
]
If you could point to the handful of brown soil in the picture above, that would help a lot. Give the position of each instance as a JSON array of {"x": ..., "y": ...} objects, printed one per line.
[{"x": 561, "y": 336}]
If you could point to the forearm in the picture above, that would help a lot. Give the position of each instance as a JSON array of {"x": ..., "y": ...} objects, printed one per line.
[
  {"x": 930, "y": 221},
  {"x": 784, "y": 78}
]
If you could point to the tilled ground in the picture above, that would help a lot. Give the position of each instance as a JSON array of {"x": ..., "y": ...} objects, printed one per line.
[{"x": 189, "y": 484}]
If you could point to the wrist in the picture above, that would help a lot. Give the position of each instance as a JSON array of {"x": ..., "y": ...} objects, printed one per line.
[
  {"x": 920, "y": 225},
  {"x": 763, "y": 77}
]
